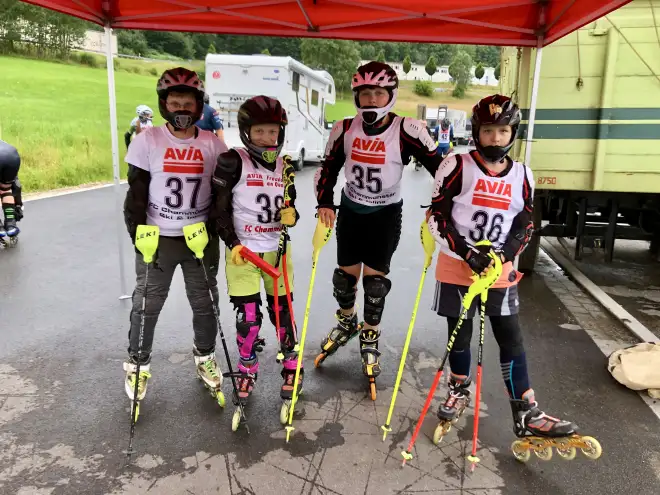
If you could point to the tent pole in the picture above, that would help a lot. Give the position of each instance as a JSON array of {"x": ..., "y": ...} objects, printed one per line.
[
  {"x": 115, "y": 160},
  {"x": 532, "y": 106}
]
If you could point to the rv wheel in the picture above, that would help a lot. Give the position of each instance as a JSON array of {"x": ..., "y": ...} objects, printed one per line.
[{"x": 300, "y": 163}]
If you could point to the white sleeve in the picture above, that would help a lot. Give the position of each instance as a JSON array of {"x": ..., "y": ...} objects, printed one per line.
[
  {"x": 138, "y": 150},
  {"x": 417, "y": 130},
  {"x": 444, "y": 170}
]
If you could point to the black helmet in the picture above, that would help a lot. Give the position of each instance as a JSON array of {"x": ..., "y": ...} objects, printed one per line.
[
  {"x": 183, "y": 81},
  {"x": 445, "y": 124},
  {"x": 9, "y": 156},
  {"x": 495, "y": 110},
  {"x": 261, "y": 110},
  {"x": 372, "y": 75}
]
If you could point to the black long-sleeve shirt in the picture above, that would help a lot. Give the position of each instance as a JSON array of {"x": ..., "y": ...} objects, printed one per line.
[
  {"x": 452, "y": 183},
  {"x": 227, "y": 174},
  {"x": 414, "y": 141}
]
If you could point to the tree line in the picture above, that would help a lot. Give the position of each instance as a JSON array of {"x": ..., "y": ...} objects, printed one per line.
[{"x": 48, "y": 33}]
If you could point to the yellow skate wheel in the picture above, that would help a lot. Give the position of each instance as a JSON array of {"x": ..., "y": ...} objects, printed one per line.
[
  {"x": 565, "y": 449},
  {"x": 440, "y": 431},
  {"x": 319, "y": 359},
  {"x": 220, "y": 397},
  {"x": 372, "y": 388},
  {"x": 236, "y": 419},
  {"x": 284, "y": 412},
  {"x": 521, "y": 451},
  {"x": 593, "y": 449},
  {"x": 543, "y": 453}
]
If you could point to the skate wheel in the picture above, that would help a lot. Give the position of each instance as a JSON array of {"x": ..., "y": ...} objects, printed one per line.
[
  {"x": 284, "y": 412},
  {"x": 440, "y": 431},
  {"x": 593, "y": 449},
  {"x": 543, "y": 453},
  {"x": 220, "y": 397},
  {"x": 372, "y": 389},
  {"x": 319, "y": 359},
  {"x": 520, "y": 451},
  {"x": 566, "y": 452},
  {"x": 236, "y": 419}
]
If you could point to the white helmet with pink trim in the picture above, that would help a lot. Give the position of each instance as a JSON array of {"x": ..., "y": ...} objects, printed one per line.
[{"x": 372, "y": 75}]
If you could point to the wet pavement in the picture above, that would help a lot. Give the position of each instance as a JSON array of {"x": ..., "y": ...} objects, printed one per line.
[
  {"x": 64, "y": 415},
  {"x": 632, "y": 279}
]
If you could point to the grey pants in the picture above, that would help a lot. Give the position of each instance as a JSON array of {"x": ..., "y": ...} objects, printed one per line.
[{"x": 173, "y": 251}]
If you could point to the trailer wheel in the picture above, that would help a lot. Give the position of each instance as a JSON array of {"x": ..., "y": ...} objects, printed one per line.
[
  {"x": 300, "y": 162},
  {"x": 528, "y": 257}
]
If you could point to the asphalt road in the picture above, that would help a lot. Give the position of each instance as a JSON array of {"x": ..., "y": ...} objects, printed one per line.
[{"x": 64, "y": 415}]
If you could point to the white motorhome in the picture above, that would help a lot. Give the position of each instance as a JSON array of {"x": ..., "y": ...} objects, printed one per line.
[
  {"x": 458, "y": 118},
  {"x": 303, "y": 92}
]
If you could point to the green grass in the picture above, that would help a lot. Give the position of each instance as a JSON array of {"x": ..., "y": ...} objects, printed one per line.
[{"x": 57, "y": 115}]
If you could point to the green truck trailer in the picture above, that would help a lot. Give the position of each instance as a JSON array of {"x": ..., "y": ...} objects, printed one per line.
[{"x": 595, "y": 150}]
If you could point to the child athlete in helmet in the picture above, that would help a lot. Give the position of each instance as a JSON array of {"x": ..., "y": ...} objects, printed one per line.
[
  {"x": 249, "y": 212},
  {"x": 373, "y": 148},
  {"x": 10, "y": 194},
  {"x": 485, "y": 195},
  {"x": 143, "y": 120},
  {"x": 169, "y": 185}
]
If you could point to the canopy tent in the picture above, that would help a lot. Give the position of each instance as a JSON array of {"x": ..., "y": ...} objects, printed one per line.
[
  {"x": 488, "y": 22},
  {"x": 524, "y": 23}
]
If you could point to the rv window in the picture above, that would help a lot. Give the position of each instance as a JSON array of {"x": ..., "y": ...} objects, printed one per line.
[
  {"x": 295, "y": 83},
  {"x": 315, "y": 98},
  {"x": 329, "y": 90}
]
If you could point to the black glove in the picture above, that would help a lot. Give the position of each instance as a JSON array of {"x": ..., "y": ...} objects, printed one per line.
[{"x": 478, "y": 258}]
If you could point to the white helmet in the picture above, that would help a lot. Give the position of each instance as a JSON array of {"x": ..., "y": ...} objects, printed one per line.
[
  {"x": 144, "y": 112},
  {"x": 375, "y": 74}
]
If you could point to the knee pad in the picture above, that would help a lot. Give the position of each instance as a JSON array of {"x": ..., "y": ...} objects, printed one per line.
[
  {"x": 344, "y": 288},
  {"x": 376, "y": 287},
  {"x": 248, "y": 324}
]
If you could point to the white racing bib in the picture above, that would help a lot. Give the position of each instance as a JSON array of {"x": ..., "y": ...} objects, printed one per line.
[
  {"x": 373, "y": 166},
  {"x": 256, "y": 201},
  {"x": 443, "y": 136},
  {"x": 487, "y": 205},
  {"x": 181, "y": 172}
]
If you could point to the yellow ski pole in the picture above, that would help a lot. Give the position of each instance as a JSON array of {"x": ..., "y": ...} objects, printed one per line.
[
  {"x": 429, "y": 247},
  {"x": 321, "y": 236}
]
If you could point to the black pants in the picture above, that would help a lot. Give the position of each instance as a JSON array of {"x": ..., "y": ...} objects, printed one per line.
[{"x": 369, "y": 238}]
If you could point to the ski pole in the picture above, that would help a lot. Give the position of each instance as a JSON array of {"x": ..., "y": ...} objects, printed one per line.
[
  {"x": 146, "y": 242},
  {"x": 197, "y": 239},
  {"x": 288, "y": 177},
  {"x": 497, "y": 268},
  {"x": 478, "y": 285},
  {"x": 428, "y": 243},
  {"x": 321, "y": 236}
]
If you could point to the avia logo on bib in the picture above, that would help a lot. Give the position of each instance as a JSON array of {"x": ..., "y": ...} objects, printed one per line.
[
  {"x": 371, "y": 151},
  {"x": 183, "y": 161},
  {"x": 492, "y": 194},
  {"x": 254, "y": 180}
]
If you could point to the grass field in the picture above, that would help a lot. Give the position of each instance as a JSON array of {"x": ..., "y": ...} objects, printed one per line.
[{"x": 57, "y": 115}]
